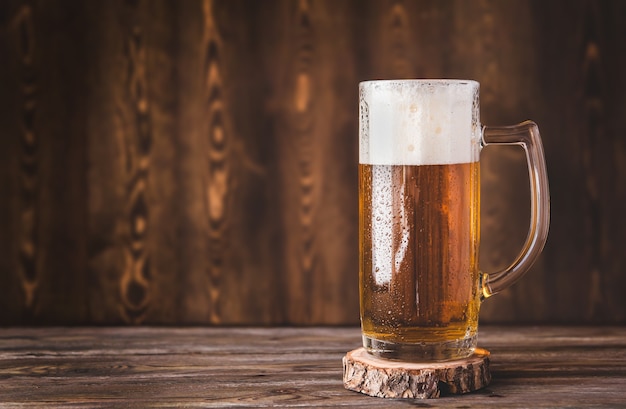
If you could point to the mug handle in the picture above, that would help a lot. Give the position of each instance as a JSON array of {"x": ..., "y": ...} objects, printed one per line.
[{"x": 525, "y": 134}]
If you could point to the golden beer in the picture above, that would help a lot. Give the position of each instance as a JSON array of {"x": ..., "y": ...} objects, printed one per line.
[{"x": 419, "y": 278}]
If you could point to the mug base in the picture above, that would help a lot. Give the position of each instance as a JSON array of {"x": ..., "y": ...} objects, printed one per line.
[{"x": 421, "y": 352}]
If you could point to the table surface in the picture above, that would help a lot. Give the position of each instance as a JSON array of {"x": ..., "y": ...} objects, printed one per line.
[{"x": 256, "y": 367}]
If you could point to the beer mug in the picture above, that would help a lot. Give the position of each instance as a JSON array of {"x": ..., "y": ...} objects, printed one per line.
[{"x": 419, "y": 196}]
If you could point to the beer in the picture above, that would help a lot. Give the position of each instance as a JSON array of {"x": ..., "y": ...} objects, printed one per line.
[
  {"x": 419, "y": 211},
  {"x": 419, "y": 235}
]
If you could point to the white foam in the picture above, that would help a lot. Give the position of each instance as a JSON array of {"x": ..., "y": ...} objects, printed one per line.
[{"x": 418, "y": 122}]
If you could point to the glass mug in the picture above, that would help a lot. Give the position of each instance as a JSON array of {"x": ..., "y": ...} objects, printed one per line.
[{"x": 419, "y": 195}]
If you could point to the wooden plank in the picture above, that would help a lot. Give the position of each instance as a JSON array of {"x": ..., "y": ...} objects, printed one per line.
[
  {"x": 47, "y": 253},
  {"x": 215, "y": 163},
  {"x": 12, "y": 306},
  {"x": 602, "y": 153},
  {"x": 160, "y": 217},
  {"x": 60, "y": 120},
  {"x": 567, "y": 178},
  {"x": 227, "y": 176},
  {"x": 316, "y": 154},
  {"x": 131, "y": 151},
  {"x": 284, "y": 367},
  {"x": 614, "y": 193},
  {"x": 29, "y": 173},
  {"x": 334, "y": 295}
]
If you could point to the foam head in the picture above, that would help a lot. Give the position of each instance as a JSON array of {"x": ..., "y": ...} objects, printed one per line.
[{"x": 419, "y": 122}]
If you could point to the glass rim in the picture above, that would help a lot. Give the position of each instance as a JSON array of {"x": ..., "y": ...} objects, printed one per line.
[{"x": 421, "y": 81}]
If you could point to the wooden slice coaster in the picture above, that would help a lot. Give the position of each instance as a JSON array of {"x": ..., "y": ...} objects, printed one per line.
[{"x": 384, "y": 378}]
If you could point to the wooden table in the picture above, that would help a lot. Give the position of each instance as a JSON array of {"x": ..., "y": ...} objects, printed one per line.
[{"x": 256, "y": 367}]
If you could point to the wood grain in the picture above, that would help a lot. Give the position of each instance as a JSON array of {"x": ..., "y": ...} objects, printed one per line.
[
  {"x": 219, "y": 137},
  {"x": 228, "y": 233},
  {"x": 385, "y": 378},
  {"x": 314, "y": 150},
  {"x": 45, "y": 229},
  {"x": 130, "y": 129},
  {"x": 195, "y": 162},
  {"x": 285, "y": 367},
  {"x": 300, "y": 160},
  {"x": 29, "y": 159}
]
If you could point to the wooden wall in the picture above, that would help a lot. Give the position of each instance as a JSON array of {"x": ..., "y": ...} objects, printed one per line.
[{"x": 195, "y": 161}]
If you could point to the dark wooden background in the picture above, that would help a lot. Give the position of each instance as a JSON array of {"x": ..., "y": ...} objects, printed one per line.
[{"x": 195, "y": 162}]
